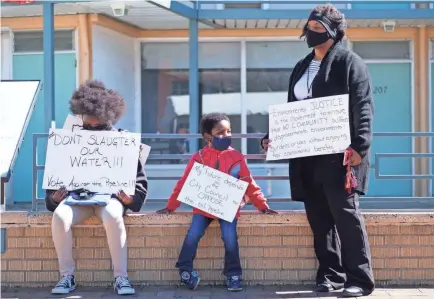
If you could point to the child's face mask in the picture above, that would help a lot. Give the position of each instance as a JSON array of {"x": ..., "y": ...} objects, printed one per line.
[
  {"x": 221, "y": 143},
  {"x": 221, "y": 136}
]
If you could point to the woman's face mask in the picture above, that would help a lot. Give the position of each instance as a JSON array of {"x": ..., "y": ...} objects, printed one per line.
[
  {"x": 314, "y": 38},
  {"x": 316, "y": 34}
]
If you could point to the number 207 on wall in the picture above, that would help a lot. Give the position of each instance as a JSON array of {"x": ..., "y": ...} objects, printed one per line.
[{"x": 380, "y": 89}]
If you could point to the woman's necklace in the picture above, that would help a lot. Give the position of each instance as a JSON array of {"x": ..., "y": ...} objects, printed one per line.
[{"x": 309, "y": 86}]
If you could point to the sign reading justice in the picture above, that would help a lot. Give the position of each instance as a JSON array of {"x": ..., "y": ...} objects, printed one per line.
[
  {"x": 309, "y": 128},
  {"x": 213, "y": 191},
  {"x": 99, "y": 161}
]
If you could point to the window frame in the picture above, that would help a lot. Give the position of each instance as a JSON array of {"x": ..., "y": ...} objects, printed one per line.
[
  {"x": 391, "y": 60},
  {"x": 74, "y": 35}
]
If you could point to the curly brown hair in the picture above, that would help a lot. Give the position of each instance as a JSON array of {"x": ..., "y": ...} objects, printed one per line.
[
  {"x": 335, "y": 16},
  {"x": 94, "y": 99}
]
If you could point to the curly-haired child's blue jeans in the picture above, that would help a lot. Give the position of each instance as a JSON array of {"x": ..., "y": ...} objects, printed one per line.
[{"x": 230, "y": 239}]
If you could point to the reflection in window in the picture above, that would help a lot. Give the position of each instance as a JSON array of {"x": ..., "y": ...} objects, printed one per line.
[
  {"x": 269, "y": 65},
  {"x": 165, "y": 90}
]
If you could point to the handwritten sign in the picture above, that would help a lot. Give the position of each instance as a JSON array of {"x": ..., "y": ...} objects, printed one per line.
[
  {"x": 309, "y": 128},
  {"x": 17, "y": 100},
  {"x": 99, "y": 161},
  {"x": 75, "y": 123},
  {"x": 213, "y": 192}
]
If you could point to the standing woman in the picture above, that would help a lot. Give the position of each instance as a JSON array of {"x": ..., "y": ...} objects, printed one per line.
[{"x": 328, "y": 189}]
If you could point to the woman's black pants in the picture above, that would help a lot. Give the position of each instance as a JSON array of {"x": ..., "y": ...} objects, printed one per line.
[{"x": 340, "y": 239}]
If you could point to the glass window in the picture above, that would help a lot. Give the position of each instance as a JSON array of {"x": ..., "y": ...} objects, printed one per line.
[
  {"x": 302, "y": 6},
  {"x": 32, "y": 41},
  {"x": 269, "y": 65},
  {"x": 165, "y": 89},
  {"x": 387, "y": 6},
  {"x": 382, "y": 50}
]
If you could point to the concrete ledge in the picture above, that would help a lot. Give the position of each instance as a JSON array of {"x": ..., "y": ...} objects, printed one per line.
[{"x": 247, "y": 218}]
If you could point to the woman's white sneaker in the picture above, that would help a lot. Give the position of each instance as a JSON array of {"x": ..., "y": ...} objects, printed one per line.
[
  {"x": 65, "y": 285},
  {"x": 123, "y": 287}
]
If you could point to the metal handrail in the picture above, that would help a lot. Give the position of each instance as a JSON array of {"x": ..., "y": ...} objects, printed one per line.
[{"x": 36, "y": 167}]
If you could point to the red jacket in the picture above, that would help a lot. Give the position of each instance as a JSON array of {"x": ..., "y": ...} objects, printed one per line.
[{"x": 231, "y": 162}]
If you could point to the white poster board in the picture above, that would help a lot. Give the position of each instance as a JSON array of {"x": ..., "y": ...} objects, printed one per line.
[
  {"x": 213, "y": 191},
  {"x": 17, "y": 100},
  {"x": 99, "y": 161},
  {"x": 309, "y": 128},
  {"x": 74, "y": 123}
]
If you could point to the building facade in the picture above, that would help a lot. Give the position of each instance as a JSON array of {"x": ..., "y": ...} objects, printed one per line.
[{"x": 240, "y": 64}]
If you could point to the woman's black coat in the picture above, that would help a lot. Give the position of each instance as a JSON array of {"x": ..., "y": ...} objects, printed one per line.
[{"x": 341, "y": 72}]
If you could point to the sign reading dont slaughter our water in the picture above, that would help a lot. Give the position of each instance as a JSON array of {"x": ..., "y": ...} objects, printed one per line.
[
  {"x": 213, "y": 191},
  {"x": 309, "y": 128},
  {"x": 99, "y": 161}
]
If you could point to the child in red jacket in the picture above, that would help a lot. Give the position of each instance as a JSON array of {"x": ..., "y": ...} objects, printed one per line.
[{"x": 216, "y": 130}]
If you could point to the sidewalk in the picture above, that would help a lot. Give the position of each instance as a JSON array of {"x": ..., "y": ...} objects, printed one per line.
[{"x": 218, "y": 292}]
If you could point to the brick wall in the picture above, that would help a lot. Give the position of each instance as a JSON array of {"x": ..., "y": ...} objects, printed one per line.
[{"x": 274, "y": 250}]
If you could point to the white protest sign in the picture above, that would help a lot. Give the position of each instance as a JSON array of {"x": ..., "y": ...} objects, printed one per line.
[
  {"x": 74, "y": 123},
  {"x": 309, "y": 128},
  {"x": 99, "y": 161},
  {"x": 17, "y": 100},
  {"x": 213, "y": 191}
]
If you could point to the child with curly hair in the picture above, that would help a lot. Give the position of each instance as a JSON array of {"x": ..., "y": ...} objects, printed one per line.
[{"x": 100, "y": 108}]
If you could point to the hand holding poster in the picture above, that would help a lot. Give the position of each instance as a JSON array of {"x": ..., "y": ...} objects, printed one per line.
[
  {"x": 213, "y": 191},
  {"x": 309, "y": 128},
  {"x": 99, "y": 161}
]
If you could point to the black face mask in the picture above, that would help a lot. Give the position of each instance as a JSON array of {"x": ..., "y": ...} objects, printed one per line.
[
  {"x": 97, "y": 128},
  {"x": 314, "y": 39}
]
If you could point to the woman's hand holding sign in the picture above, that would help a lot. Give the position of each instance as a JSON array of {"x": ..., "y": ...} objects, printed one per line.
[
  {"x": 351, "y": 157},
  {"x": 60, "y": 194},
  {"x": 124, "y": 198}
]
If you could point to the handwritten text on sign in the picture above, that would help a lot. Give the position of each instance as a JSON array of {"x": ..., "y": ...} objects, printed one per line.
[
  {"x": 309, "y": 128},
  {"x": 213, "y": 191},
  {"x": 103, "y": 161}
]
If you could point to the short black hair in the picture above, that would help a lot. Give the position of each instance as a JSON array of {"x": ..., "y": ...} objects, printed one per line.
[
  {"x": 335, "y": 16},
  {"x": 94, "y": 99},
  {"x": 209, "y": 121}
]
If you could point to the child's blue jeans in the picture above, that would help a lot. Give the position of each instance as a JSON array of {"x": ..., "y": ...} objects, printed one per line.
[{"x": 196, "y": 232}]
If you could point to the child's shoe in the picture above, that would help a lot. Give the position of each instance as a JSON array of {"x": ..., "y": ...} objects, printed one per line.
[
  {"x": 234, "y": 283},
  {"x": 190, "y": 279},
  {"x": 65, "y": 285},
  {"x": 122, "y": 286}
]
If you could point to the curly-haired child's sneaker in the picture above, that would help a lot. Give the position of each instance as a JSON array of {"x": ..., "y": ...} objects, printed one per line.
[
  {"x": 65, "y": 285},
  {"x": 123, "y": 286},
  {"x": 190, "y": 279},
  {"x": 234, "y": 283}
]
